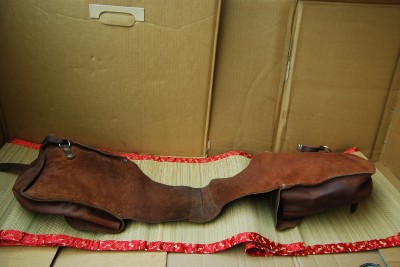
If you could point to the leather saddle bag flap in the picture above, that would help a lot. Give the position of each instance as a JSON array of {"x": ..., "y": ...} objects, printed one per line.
[{"x": 292, "y": 204}]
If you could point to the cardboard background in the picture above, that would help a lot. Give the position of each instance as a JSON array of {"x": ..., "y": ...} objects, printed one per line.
[
  {"x": 144, "y": 88},
  {"x": 3, "y": 131},
  {"x": 75, "y": 257},
  {"x": 251, "y": 59},
  {"x": 236, "y": 257},
  {"x": 2, "y": 135},
  {"x": 342, "y": 66},
  {"x": 340, "y": 86},
  {"x": 391, "y": 151},
  {"x": 28, "y": 256},
  {"x": 155, "y": 99}
]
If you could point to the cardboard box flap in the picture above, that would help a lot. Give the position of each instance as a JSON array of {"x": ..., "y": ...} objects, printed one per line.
[
  {"x": 250, "y": 65},
  {"x": 236, "y": 257},
  {"x": 74, "y": 257},
  {"x": 144, "y": 88},
  {"x": 27, "y": 256},
  {"x": 342, "y": 65},
  {"x": 390, "y": 155},
  {"x": 2, "y": 134}
]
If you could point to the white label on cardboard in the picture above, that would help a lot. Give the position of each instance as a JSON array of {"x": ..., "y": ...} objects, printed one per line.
[{"x": 95, "y": 11}]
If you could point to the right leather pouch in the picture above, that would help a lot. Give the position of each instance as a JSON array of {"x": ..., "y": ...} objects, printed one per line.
[{"x": 292, "y": 204}]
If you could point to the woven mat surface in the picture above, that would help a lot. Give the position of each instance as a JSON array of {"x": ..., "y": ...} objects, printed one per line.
[{"x": 249, "y": 220}]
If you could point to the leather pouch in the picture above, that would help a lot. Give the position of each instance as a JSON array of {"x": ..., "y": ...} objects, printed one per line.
[
  {"x": 292, "y": 204},
  {"x": 99, "y": 191}
]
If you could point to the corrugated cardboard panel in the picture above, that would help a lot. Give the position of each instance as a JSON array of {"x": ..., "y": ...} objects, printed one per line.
[
  {"x": 75, "y": 257},
  {"x": 386, "y": 2},
  {"x": 343, "y": 60},
  {"x": 251, "y": 58},
  {"x": 342, "y": 260},
  {"x": 391, "y": 256},
  {"x": 27, "y": 256},
  {"x": 388, "y": 174},
  {"x": 391, "y": 152},
  {"x": 233, "y": 257},
  {"x": 392, "y": 99},
  {"x": 144, "y": 88},
  {"x": 237, "y": 257},
  {"x": 2, "y": 135}
]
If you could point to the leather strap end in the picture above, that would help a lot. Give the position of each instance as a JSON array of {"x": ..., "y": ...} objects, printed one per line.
[
  {"x": 353, "y": 207},
  {"x": 13, "y": 167},
  {"x": 304, "y": 148}
]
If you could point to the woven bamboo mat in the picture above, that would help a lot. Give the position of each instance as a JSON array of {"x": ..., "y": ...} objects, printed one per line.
[{"x": 376, "y": 224}]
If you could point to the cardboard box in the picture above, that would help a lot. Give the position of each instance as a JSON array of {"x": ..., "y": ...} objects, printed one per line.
[
  {"x": 73, "y": 257},
  {"x": 2, "y": 135},
  {"x": 29, "y": 256},
  {"x": 59, "y": 257},
  {"x": 342, "y": 67},
  {"x": 339, "y": 81},
  {"x": 286, "y": 72},
  {"x": 253, "y": 43},
  {"x": 144, "y": 88},
  {"x": 391, "y": 149},
  {"x": 235, "y": 257}
]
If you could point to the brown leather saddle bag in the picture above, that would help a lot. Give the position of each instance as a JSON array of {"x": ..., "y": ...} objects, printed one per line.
[{"x": 99, "y": 191}]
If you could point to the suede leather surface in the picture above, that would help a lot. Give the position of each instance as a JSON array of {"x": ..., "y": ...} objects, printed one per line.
[{"x": 97, "y": 191}]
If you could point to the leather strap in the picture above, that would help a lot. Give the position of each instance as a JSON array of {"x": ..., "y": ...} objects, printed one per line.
[
  {"x": 53, "y": 140},
  {"x": 304, "y": 148},
  {"x": 13, "y": 167},
  {"x": 19, "y": 167}
]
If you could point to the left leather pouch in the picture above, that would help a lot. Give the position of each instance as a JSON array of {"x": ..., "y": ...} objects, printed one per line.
[{"x": 32, "y": 189}]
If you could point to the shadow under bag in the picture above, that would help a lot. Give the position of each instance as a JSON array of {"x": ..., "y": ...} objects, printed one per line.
[{"x": 99, "y": 191}]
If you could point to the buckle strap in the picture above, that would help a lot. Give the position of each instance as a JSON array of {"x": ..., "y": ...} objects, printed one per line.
[
  {"x": 13, "y": 167},
  {"x": 64, "y": 144},
  {"x": 53, "y": 140},
  {"x": 304, "y": 148}
]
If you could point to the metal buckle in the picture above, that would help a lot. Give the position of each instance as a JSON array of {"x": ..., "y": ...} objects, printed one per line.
[
  {"x": 66, "y": 147},
  {"x": 68, "y": 143},
  {"x": 313, "y": 148},
  {"x": 369, "y": 265},
  {"x": 326, "y": 149}
]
